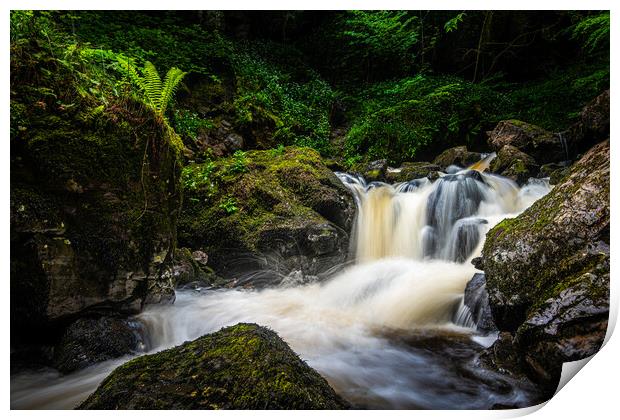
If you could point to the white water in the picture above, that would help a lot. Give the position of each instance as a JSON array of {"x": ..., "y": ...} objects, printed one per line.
[{"x": 380, "y": 331}]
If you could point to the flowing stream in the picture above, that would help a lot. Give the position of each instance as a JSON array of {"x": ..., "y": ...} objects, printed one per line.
[{"x": 388, "y": 331}]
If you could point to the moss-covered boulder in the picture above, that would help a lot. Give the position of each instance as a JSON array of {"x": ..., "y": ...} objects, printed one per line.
[
  {"x": 544, "y": 146},
  {"x": 241, "y": 367},
  {"x": 458, "y": 156},
  {"x": 372, "y": 171},
  {"x": 547, "y": 270},
  {"x": 514, "y": 164},
  {"x": 280, "y": 209},
  {"x": 95, "y": 194}
]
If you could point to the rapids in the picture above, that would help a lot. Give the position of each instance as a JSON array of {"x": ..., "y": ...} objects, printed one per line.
[{"x": 389, "y": 330}]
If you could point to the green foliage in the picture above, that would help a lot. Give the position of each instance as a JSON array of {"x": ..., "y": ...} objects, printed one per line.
[
  {"x": 229, "y": 205},
  {"x": 297, "y": 109},
  {"x": 399, "y": 120},
  {"x": 278, "y": 151},
  {"x": 239, "y": 164},
  {"x": 554, "y": 101},
  {"x": 594, "y": 31},
  {"x": 453, "y": 24},
  {"x": 187, "y": 123},
  {"x": 194, "y": 177},
  {"x": 156, "y": 94}
]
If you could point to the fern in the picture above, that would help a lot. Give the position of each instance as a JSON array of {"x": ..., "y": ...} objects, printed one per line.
[
  {"x": 155, "y": 93},
  {"x": 594, "y": 30}
]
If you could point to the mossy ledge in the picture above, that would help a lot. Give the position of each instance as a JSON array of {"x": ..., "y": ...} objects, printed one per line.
[
  {"x": 245, "y": 366},
  {"x": 283, "y": 203}
]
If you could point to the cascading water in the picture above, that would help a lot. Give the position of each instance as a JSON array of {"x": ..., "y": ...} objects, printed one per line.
[{"x": 381, "y": 331}]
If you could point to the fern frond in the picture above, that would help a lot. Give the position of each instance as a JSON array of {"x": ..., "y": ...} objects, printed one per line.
[
  {"x": 171, "y": 82},
  {"x": 128, "y": 68},
  {"x": 153, "y": 85}
]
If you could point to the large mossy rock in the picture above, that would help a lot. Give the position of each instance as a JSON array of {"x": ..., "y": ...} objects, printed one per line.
[
  {"x": 544, "y": 146},
  {"x": 95, "y": 194},
  {"x": 241, "y": 367},
  {"x": 458, "y": 156},
  {"x": 281, "y": 210},
  {"x": 547, "y": 270}
]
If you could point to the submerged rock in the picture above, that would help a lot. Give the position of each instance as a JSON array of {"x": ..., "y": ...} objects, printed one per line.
[
  {"x": 477, "y": 300},
  {"x": 372, "y": 171},
  {"x": 458, "y": 156},
  {"x": 412, "y": 170},
  {"x": 276, "y": 210},
  {"x": 544, "y": 146},
  {"x": 241, "y": 367},
  {"x": 89, "y": 341},
  {"x": 547, "y": 270}
]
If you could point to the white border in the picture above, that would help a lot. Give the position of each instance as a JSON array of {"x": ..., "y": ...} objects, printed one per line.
[{"x": 592, "y": 395}]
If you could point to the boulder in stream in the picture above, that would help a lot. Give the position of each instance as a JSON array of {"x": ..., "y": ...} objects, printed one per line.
[
  {"x": 241, "y": 367},
  {"x": 458, "y": 156},
  {"x": 547, "y": 270},
  {"x": 544, "y": 146},
  {"x": 278, "y": 210}
]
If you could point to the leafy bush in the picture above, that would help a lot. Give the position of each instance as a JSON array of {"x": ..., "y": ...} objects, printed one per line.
[
  {"x": 403, "y": 119},
  {"x": 298, "y": 109},
  {"x": 239, "y": 164}
]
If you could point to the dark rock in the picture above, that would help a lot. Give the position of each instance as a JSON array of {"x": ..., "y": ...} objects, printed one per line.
[
  {"x": 535, "y": 141},
  {"x": 412, "y": 170},
  {"x": 593, "y": 124},
  {"x": 514, "y": 164},
  {"x": 239, "y": 367},
  {"x": 290, "y": 212},
  {"x": 94, "y": 202},
  {"x": 373, "y": 171},
  {"x": 190, "y": 270},
  {"x": 477, "y": 300},
  {"x": 234, "y": 142},
  {"x": 458, "y": 156},
  {"x": 547, "y": 270},
  {"x": 89, "y": 341},
  {"x": 554, "y": 171}
]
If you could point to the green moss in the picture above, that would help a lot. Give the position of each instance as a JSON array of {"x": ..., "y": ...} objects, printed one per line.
[
  {"x": 240, "y": 367},
  {"x": 284, "y": 191}
]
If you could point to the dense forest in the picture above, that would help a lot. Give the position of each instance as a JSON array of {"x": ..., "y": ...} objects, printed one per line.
[{"x": 252, "y": 158}]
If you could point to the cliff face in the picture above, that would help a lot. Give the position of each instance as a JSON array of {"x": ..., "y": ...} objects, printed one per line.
[{"x": 94, "y": 197}]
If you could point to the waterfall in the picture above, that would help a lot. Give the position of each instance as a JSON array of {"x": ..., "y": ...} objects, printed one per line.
[
  {"x": 389, "y": 331},
  {"x": 420, "y": 220}
]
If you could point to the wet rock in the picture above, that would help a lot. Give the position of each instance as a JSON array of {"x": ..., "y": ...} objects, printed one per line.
[
  {"x": 89, "y": 341},
  {"x": 190, "y": 270},
  {"x": 373, "y": 171},
  {"x": 286, "y": 211},
  {"x": 412, "y": 170},
  {"x": 458, "y": 156},
  {"x": 547, "y": 270},
  {"x": 540, "y": 144},
  {"x": 241, "y": 367},
  {"x": 514, "y": 164},
  {"x": 477, "y": 300}
]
